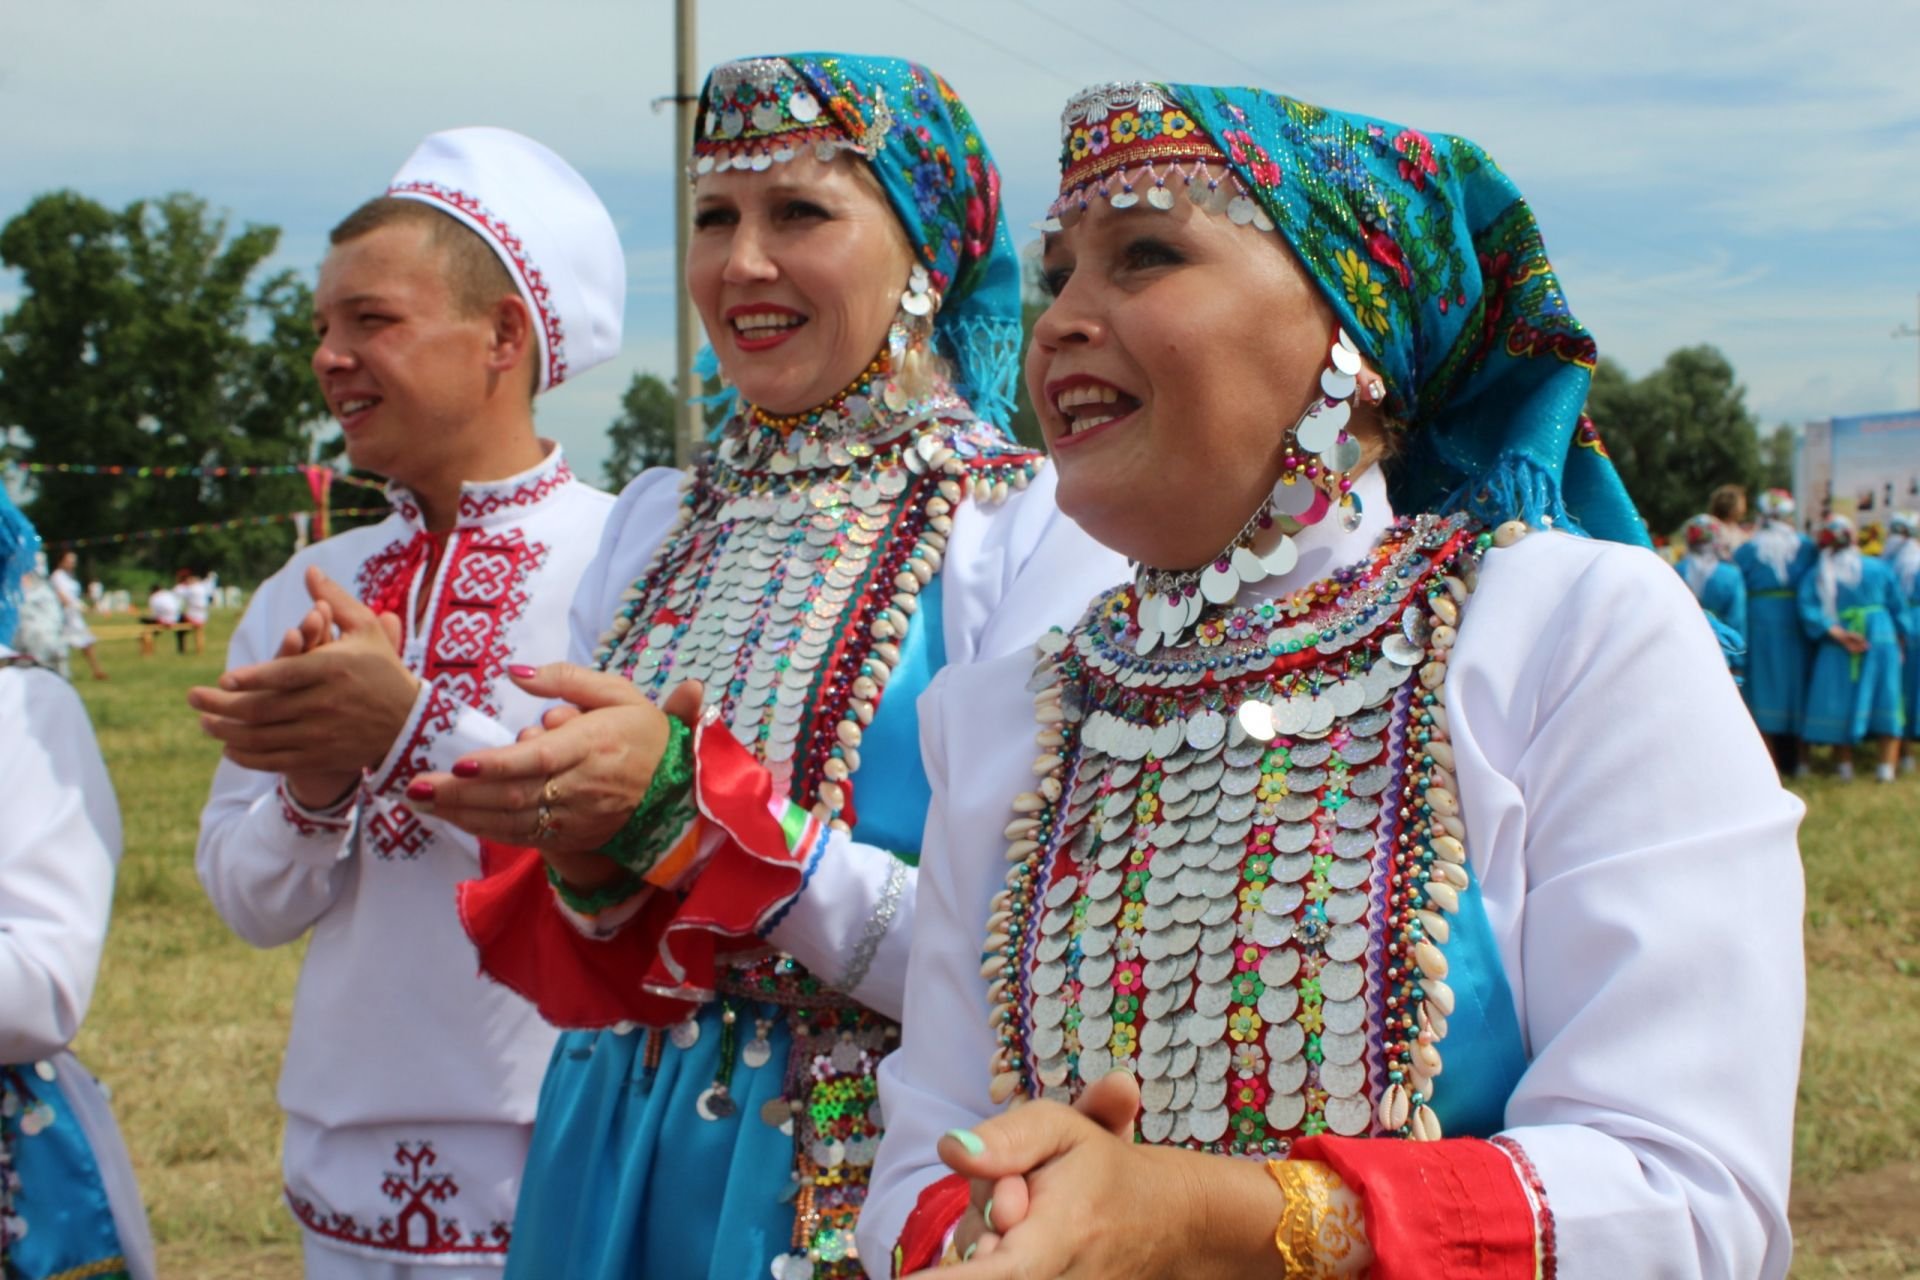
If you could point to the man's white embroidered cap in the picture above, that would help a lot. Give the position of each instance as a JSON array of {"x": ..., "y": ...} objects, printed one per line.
[{"x": 546, "y": 224}]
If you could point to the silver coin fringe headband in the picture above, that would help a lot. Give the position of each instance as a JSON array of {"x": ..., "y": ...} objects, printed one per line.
[{"x": 1128, "y": 143}]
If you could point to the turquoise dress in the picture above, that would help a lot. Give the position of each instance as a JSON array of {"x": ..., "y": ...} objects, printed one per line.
[
  {"x": 1778, "y": 652},
  {"x": 628, "y": 1159},
  {"x": 1906, "y": 574},
  {"x": 51, "y": 1185},
  {"x": 1854, "y": 696},
  {"x": 1724, "y": 596}
]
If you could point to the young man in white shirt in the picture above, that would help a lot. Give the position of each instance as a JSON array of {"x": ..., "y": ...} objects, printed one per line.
[{"x": 487, "y": 274}]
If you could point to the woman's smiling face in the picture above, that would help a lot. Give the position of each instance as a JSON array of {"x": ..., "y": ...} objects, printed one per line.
[
  {"x": 1178, "y": 350},
  {"x": 797, "y": 273}
]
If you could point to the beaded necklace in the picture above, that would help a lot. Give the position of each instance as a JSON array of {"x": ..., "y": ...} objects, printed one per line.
[
  {"x": 825, "y": 417},
  {"x": 1234, "y": 876}
]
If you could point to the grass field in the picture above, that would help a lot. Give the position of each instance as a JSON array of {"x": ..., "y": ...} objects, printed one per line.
[{"x": 188, "y": 1022}]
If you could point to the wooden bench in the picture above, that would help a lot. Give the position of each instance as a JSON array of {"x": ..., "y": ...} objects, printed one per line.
[{"x": 149, "y": 633}]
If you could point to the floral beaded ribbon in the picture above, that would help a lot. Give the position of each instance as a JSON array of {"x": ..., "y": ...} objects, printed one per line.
[{"x": 1234, "y": 877}]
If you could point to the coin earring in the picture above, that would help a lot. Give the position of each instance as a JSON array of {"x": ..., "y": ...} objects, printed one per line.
[
  {"x": 909, "y": 340},
  {"x": 1321, "y": 454}
]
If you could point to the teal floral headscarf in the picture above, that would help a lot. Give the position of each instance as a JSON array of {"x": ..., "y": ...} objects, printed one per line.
[
  {"x": 940, "y": 179},
  {"x": 1433, "y": 263}
]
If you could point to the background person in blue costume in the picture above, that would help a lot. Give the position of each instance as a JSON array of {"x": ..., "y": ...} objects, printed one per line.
[
  {"x": 723, "y": 912},
  {"x": 1901, "y": 553},
  {"x": 1772, "y": 562},
  {"x": 1852, "y": 610},
  {"x": 1715, "y": 583},
  {"x": 68, "y": 1202},
  {"x": 1361, "y": 898}
]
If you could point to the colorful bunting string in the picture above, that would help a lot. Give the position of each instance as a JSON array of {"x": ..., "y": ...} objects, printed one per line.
[
  {"x": 209, "y": 526},
  {"x": 169, "y": 473}
]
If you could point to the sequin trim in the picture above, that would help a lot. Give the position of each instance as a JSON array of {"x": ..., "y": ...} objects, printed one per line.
[{"x": 876, "y": 931}]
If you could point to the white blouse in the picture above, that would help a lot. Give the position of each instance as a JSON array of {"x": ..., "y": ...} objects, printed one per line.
[
  {"x": 1638, "y": 864},
  {"x": 59, "y": 849}
]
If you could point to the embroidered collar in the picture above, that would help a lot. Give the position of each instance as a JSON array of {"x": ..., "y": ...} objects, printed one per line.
[{"x": 484, "y": 502}]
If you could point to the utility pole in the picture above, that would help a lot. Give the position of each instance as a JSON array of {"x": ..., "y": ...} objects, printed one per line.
[
  {"x": 688, "y": 420},
  {"x": 1908, "y": 331}
]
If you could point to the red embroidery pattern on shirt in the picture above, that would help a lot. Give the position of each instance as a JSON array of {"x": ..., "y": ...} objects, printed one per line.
[
  {"x": 420, "y": 1224},
  {"x": 478, "y": 506},
  {"x": 502, "y": 235},
  {"x": 386, "y": 577},
  {"x": 483, "y": 592},
  {"x": 304, "y": 822}
]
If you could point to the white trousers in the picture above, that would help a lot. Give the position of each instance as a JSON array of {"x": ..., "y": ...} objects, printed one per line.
[{"x": 327, "y": 1263}]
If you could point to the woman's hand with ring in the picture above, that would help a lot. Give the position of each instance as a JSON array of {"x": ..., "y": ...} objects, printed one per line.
[
  {"x": 1093, "y": 1203},
  {"x": 569, "y": 788}
]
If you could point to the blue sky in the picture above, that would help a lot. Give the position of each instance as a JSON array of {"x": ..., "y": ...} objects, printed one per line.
[{"x": 1741, "y": 174}]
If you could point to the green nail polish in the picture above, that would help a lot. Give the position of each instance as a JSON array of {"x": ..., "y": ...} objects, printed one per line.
[
  {"x": 986, "y": 1215},
  {"x": 968, "y": 1139},
  {"x": 967, "y": 1254}
]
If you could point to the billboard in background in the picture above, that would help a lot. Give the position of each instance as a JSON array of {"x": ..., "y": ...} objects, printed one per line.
[{"x": 1864, "y": 466}]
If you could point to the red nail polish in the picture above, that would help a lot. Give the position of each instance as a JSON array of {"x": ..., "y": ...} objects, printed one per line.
[
  {"x": 466, "y": 769},
  {"x": 521, "y": 671},
  {"x": 420, "y": 791}
]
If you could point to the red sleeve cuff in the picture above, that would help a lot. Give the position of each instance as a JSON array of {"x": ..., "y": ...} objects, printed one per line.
[
  {"x": 935, "y": 1214},
  {"x": 1446, "y": 1210},
  {"x": 664, "y": 962}
]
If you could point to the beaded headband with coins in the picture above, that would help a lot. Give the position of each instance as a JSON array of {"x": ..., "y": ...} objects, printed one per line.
[
  {"x": 759, "y": 112},
  {"x": 1131, "y": 143}
]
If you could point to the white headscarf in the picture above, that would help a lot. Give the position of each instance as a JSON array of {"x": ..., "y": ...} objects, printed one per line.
[
  {"x": 1900, "y": 551},
  {"x": 1905, "y": 563},
  {"x": 1698, "y": 567},
  {"x": 1776, "y": 543},
  {"x": 1840, "y": 566},
  {"x": 1703, "y": 554}
]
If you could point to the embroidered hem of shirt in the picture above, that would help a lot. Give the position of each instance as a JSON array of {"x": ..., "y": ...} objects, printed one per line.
[{"x": 418, "y": 1227}]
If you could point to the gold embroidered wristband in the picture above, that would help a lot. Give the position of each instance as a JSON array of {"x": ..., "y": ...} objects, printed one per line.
[{"x": 1321, "y": 1232}]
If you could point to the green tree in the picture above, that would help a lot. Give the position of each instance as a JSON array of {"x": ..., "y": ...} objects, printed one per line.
[
  {"x": 144, "y": 339},
  {"x": 642, "y": 436},
  {"x": 1776, "y": 459},
  {"x": 1677, "y": 433}
]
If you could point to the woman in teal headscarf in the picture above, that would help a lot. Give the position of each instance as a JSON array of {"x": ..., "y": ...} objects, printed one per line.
[
  {"x": 1404, "y": 886},
  {"x": 720, "y": 918}
]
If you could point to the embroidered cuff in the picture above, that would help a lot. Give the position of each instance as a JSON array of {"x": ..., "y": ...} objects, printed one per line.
[
  {"x": 1545, "y": 1253},
  {"x": 1454, "y": 1207},
  {"x": 654, "y": 838},
  {"x": 334, "y": 820},
  {"x": 438, "y": 731}
]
